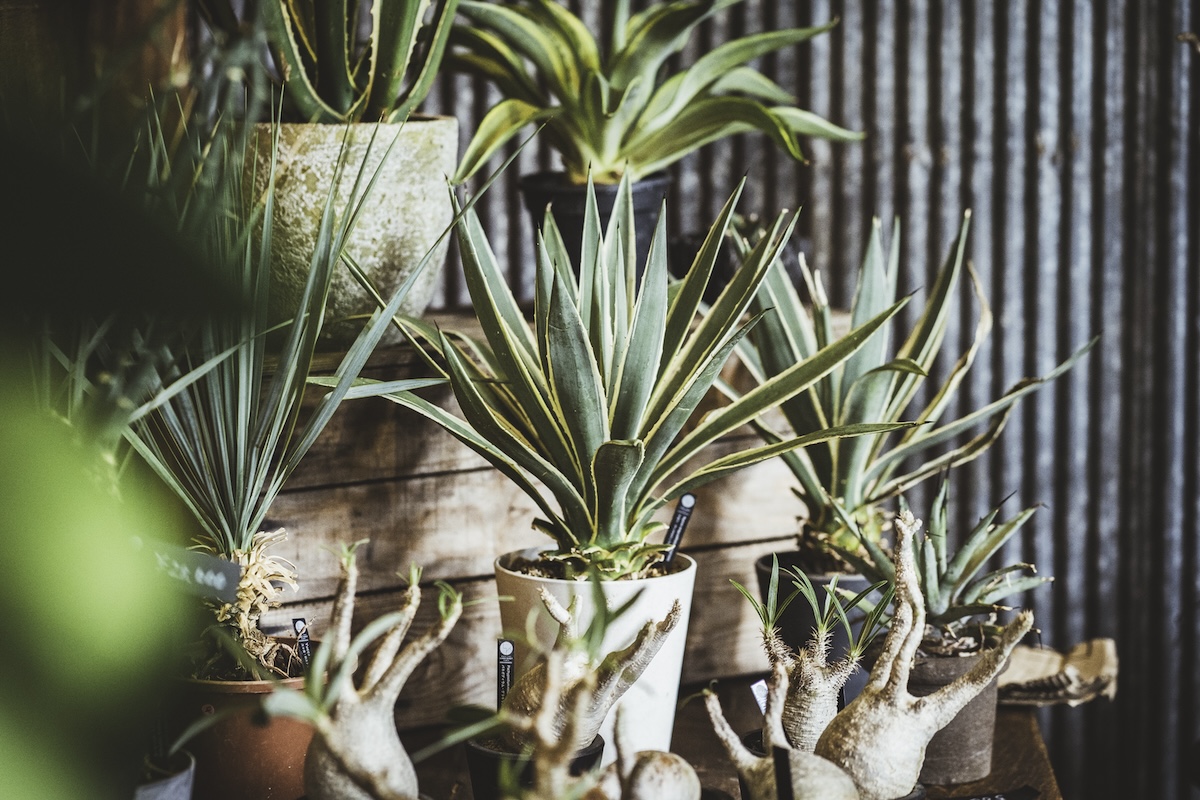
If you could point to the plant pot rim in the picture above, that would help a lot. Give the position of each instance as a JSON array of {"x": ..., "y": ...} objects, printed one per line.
[
  {"x": 414, "y": 118},
  {"x": 556, "y": 179},
  {"x": 502, "y": 561},
  {"x": 243, "y": 687},
  {"x": 475, "y": 743},
  {"x": 765, "y": 562}
]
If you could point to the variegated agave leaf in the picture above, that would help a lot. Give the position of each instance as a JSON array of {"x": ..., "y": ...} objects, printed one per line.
[{"x": 585, "y": 408}]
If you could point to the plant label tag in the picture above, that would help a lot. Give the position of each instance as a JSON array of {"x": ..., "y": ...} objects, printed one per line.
[
  {"x": 759, "y": 690},
  {"x": 303, "y": 642},
  {"x": 505, "y": 658},
  {"x": 196, "y": 573}
]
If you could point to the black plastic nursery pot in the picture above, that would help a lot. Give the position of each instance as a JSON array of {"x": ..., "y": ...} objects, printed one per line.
[
  {"x": 484, "y": 764},
  {"x": 798, "y": 621},
  {"x": 962, "y": 751},
  {"x": 171, "y": 780},
  {"x": 569, "y": 201}
]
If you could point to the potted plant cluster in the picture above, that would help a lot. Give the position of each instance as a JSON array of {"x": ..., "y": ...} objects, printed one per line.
[
  {"x": 591, "y": 401},
  {"x": 620, "y": 108},
  {"x": 334, "y": 74},
  {"x": 961, "y": 602},
  {"x": 845, "y": 483},
  {"x": 227, "y": 439}
]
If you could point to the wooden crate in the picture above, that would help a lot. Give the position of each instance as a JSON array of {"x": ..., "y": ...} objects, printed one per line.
[{"x": 382, "y": 473}]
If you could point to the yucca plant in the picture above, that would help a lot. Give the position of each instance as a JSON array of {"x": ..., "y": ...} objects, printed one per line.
[
  {"x": 228, "y": 441},
  {"x": 619, "y": 110},
  {"x": 844, "y": 482},
  {"x": 962, "y": 598},
  {"x": 331, "y": 75},
  {"x": 586, "y": 409}
]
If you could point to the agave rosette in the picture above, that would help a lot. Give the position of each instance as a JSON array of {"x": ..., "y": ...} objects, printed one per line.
[
  {"x": 586, "y": 408},
  {"x": 613, "y": 112},
  {"x": 844, "y": 481}
]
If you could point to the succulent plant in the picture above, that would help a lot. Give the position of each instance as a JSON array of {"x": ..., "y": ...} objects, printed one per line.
[
  {"x": 961, "y": 596},
  {"x": 844, "y": 482},
  {"x": 356, "y": 752},
  {"x": 814, "y": 684},
  {"x": 880, "y": 738},
  {"x": 622, "y": 110},
  {"x": 331, "y": 75},
  {"x": 592, "y": 401}
]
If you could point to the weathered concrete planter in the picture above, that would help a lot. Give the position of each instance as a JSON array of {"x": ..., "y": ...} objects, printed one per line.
[
  {"x": 408, "y": 209},
  {"x": 652, "y": 698},
  {"x": 962, "y": 751}
]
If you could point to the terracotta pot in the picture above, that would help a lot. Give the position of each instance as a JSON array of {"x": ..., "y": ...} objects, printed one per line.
[
  {"x": 797, "y": 623},
  {"x": 962, "y": 751},
  {"x": 484, "y": 764},
  {"x": 238, "y": 758},
  {"x": 652, "y": 698},
  {"x": 569, "y": 200},
  {"x": 407, "y": 211}
]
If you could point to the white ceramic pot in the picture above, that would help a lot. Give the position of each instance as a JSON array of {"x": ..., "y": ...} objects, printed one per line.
[
  {"x": 406, "y": 212},
  {"x": 652, "y": 699}
]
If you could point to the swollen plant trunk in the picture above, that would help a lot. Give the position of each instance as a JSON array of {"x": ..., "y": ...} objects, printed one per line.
[
  {"x": 356, "y": 753},
  {"x": 880, "y": 738},
  {"x": 809, "y": 775}
]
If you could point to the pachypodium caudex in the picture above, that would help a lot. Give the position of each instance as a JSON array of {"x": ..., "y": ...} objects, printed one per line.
[
  {"x": 810, "y": 775},
  {"x": 356, "y": 752},
  {"x": 880, "y": 738},
  {"x": 814, "y": 682}
]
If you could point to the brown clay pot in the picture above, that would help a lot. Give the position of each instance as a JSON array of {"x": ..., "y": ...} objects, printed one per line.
[
  {"x": 238, "y": 758},
  {"x": 962, "y": 751}
]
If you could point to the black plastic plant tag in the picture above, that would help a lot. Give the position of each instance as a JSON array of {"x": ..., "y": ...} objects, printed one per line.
[
  {"x": 303, "y": 641},
  {"x": 195, "y": 572},
  {"x": 683, "y": 512}
]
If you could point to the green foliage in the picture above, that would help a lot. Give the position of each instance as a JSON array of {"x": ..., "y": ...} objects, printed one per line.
[
  {"x": 329, "y": 74},
  {"x": 624, "y": 110},
  {"x": 959, "y": 593},
  {"x": 844, "y": 481},
  {"x": 833, "y": 609},
  {"x": 229, "y": 439},
  {"x": 586, "y": 409}
]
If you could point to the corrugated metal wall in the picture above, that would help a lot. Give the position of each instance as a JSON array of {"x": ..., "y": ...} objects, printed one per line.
[{"x": 1072, "y": 129}]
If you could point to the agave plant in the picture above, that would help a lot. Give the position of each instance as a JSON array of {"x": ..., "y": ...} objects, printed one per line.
[
  {"x": 591, "y": 401},
  {"x": 618, "y": 111},
  {"x": 961, "y": 598},
  {"x": 844, "y": 482},
  {"x": 226, "y": 441},
  {"x": 330, "y": 75}
]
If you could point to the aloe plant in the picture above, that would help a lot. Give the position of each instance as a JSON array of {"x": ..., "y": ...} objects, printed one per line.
[
  {"x": 586, "y": 409},
  {"x": 961, "y": 596},
  {"x": 844, "y": 483},
  {"x": 329, "y": 74},
  {"x": 622, "y": 110},
  {"x": 226, "y": 441}
]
